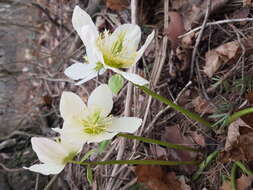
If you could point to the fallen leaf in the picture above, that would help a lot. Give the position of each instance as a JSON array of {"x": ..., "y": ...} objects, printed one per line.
[
  {"x": 202, "y": 106},
  {"x": 198, "y": 138},
  {"x": 239, "y": 143},
  {"x": 242, "y": 183},
  {"x": 224, "y": 54},
  {"x": 156, "y": 179},
  {"x": 175, "y": 28},
  {"x": 219, "y": 56},
  {"x": 173, "y": 135},
  {"x": 117, "y": 5},
  {"x": 233, "y": 133}
]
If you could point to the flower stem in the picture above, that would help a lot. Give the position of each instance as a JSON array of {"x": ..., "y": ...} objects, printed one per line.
[
  {"x": 244, "y": 168},
  {"x": 238, "y": 114},
  {"x": 153, "y": 141},
  {"x": 180, "y": 109},
  {"x": 138, "y": 162},
  {"x": 233, "y": 176},
  {"x": 204, "y": 164}
]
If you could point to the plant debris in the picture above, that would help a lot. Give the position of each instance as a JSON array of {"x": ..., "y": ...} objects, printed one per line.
[{"x": 156, "y": 179}]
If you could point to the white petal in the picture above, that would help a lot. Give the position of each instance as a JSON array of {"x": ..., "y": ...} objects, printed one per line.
[
  {"x": 132, "y": 35},
  {"x": 71, "y": 105},
  {"x": 66, "y": 142},
  {"x": 71, "y": 137},
  {"x": 80, "y": 71},
  {"x": 136, "y": 79},
  {"x": 144, "y": 47},
  {"x": 80, "y": 19},
  {"x": 91, "y": 76},
  {"x": 125, "y": 125},
  {"x": 46, "y": 169},
  {"x": 48, "y": 151},
  {"x": 93, "y": 53},
  {"x": 101, "y": 98}
]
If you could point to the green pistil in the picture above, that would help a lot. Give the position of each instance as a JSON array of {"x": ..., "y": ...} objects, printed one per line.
[
  {"x": 117, "y": 46},
  {"x": 113, "y": 62},
  {"x": 99, "y": 66},
  {"x": 94, "y": 124}
]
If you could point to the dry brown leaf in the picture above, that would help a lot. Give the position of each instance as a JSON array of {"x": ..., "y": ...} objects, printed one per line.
[
  {"x": 117, "y": 5},
  {"x": 156, "y": 179},
  {"x": 198, "y": 138},
  {"x": 175, "y": 28},
  {"x": 173, "y": 135},
  {"x": 239, "y": 143},
  {"x": 219, "y": 56},
  {"x": 202, "y": 106},
  {"x": 242, "y": 183},
  {"x": 226, "y": 53},
  {"x": 233, "y": 133}
]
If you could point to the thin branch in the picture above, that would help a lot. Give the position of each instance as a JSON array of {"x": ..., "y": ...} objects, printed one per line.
[
  {"x": 216, "y": 23},
  {"x": 199, "y": 38}
]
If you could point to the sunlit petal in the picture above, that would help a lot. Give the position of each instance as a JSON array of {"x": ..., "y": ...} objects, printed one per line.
[
  {"x": 101, "y": 98},
  {"x": 144, "y": 47},
  {"x": 46, "y": 169},
  {"x": 93, "y": 53},
  {"x": 125, "y": 125},
  {"x": 80, "y": 71},
  {"x": 48, "y": 151},
  {"x": 71, "y": 105},
  {"x": 132, "y": 35},
  {"x": 80, "y": 19},
  {"x": 136, "y": 79}
]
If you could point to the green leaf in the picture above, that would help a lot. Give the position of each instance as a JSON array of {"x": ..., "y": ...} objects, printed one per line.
[
  {"x": 102, "y": 145},
  {"x": 89, "y": 175},
  {"x": 115, "y": 83},
  {"x": 87, "y": 155}
]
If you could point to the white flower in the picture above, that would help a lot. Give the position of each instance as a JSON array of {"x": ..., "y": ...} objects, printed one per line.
[
  {"x": 92, "y": 123},
  {"x": 107, "y": 51},
  {"x": 53, "y": 155}
]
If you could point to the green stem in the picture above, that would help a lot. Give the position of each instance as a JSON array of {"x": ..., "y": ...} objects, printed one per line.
[
  {"x": 238, "y": 114},
  {"x": 138, "y": 162},
  {"x": 233, "y": 176},
  {"x": 180, "y": 109},
  {"x": 244, "y": 168},
  {"x": 153, "y": 141},
  {"x": 204, "y": 164}
]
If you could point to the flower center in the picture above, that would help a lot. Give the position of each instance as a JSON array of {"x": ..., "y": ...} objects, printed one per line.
[
  {"x": 115, "y": 54},
  {"x": 95, "y": 124}
]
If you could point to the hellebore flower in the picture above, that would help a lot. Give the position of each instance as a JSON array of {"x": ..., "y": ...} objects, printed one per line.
[
  {"x": 92, "y": 123},
  {"x": 54, "y": 155},
  {"x": 106, "y": 50}
]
